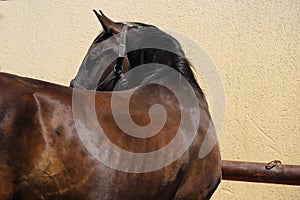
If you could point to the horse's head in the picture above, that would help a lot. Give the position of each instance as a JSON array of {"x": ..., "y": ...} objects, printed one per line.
[{"x": 107, "y": 60}]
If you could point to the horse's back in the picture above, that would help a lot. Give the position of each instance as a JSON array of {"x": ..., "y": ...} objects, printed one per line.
[
  {"x": 16, "y": 124},
  {"x": 23, "y": 127},
  {"x": 43, "y": 157}
]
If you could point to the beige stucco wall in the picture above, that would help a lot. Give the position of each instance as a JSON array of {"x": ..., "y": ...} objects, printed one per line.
[{"x": 255, "y": 45}]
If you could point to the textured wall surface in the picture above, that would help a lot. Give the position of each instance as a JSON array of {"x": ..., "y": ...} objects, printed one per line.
[{"x": 254, "y": 44}]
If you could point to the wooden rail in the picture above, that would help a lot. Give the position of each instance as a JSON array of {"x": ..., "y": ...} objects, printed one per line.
[{"x": 273, "y": 172}]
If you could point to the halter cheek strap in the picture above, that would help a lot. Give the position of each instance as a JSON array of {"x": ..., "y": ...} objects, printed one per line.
[{"x": 117, "y": 73}]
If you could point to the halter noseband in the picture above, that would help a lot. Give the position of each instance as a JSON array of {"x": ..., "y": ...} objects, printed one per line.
[{"x": 117, "y": 73}]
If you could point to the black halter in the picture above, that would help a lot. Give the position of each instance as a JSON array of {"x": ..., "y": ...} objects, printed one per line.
[{"x": 117, "y": 73}]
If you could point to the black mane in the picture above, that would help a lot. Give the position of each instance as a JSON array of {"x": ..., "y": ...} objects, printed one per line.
[{"x": 176, "y": 57}]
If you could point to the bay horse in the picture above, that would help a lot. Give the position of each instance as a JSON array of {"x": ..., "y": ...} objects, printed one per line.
[{"x": 45, "y": 151}]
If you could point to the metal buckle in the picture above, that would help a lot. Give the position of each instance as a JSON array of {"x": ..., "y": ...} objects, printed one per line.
[
  {"x": 118, "y": 72},
  {"x": 122, "y": 49},
  {"x": 123, "y": 81}
]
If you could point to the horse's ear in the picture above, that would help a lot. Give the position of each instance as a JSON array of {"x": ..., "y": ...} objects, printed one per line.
[{"x": 107, "y": 24}]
